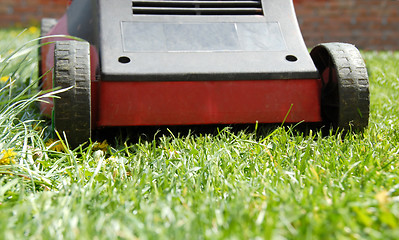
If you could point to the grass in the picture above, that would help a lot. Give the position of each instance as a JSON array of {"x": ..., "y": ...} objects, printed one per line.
[{"x": 276, "y": 183}]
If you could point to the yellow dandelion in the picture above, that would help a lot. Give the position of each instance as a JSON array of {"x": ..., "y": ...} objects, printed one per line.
[
  {"x": 55, "y": 145},
  {"x": 101, "y": 146},
  {"x": 382, "y": 198},
  {"x": 7, "y": 157},
  {"x": 4, "y": 79},
  {"x": 33, "y": 30}
]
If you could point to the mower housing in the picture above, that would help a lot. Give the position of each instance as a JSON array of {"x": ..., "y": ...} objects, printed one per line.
[{"x": 185, "y": 62}]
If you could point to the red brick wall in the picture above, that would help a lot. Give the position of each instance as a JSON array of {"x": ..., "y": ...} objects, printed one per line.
[
  {"x": 28, "y": 12},
  {"x": 370, "y": 24}
]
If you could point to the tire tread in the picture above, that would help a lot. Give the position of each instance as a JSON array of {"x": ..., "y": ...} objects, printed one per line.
[{"x": 73, "y": 109}]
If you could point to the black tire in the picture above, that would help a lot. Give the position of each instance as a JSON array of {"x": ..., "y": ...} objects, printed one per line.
[
  {"x": 46, "y": 25},
  {"x": 345, "y": 97},
  {"x": 72, "y": 111}
]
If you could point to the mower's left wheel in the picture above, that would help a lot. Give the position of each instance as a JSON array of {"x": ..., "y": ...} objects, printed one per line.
[
  {"x": 72, "y": 111},
  {"x": 46, "y": 25},
  {"x": 345, "y": 97}
]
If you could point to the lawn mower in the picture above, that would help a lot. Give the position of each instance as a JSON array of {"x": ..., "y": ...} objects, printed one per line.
[{"x": 195, "y": 62}]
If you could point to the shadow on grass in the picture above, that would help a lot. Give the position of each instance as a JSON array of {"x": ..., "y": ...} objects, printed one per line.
[{"x": 132, "y": 135}]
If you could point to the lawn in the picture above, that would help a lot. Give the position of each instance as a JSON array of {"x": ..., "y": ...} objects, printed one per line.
[{"x": 267, "y": 183}]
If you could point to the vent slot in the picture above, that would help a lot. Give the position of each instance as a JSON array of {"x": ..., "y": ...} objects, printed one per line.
[{"x": 198, "y": 7}]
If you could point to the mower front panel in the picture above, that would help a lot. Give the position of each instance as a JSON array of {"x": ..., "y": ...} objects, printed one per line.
[{"x": 207, "y": 102}]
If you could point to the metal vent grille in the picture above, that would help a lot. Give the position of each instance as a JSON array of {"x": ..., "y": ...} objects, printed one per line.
[{"x": 197, "y": 7}]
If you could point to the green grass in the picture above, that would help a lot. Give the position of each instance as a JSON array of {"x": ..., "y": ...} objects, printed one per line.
[{"x": 274, "y": 183}]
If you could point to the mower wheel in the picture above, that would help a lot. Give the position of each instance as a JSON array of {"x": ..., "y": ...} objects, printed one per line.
[
  {"x": 345, "y": 98},
  {"x": 46, "y": 25},
  {"x": 72, "y": 111}
]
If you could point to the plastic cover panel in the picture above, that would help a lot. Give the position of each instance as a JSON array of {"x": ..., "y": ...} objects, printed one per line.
[
  {"x": 143, "y": 47},
  {"x": 165, "y": 37}
]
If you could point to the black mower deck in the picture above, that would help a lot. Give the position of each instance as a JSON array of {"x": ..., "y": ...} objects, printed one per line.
[{"x": 254, "y": 41}]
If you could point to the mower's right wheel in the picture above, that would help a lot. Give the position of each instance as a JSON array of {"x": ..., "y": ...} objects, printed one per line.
[
  {"x": 72, "y": 111},
  {"x": 345, "y": 97}
]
